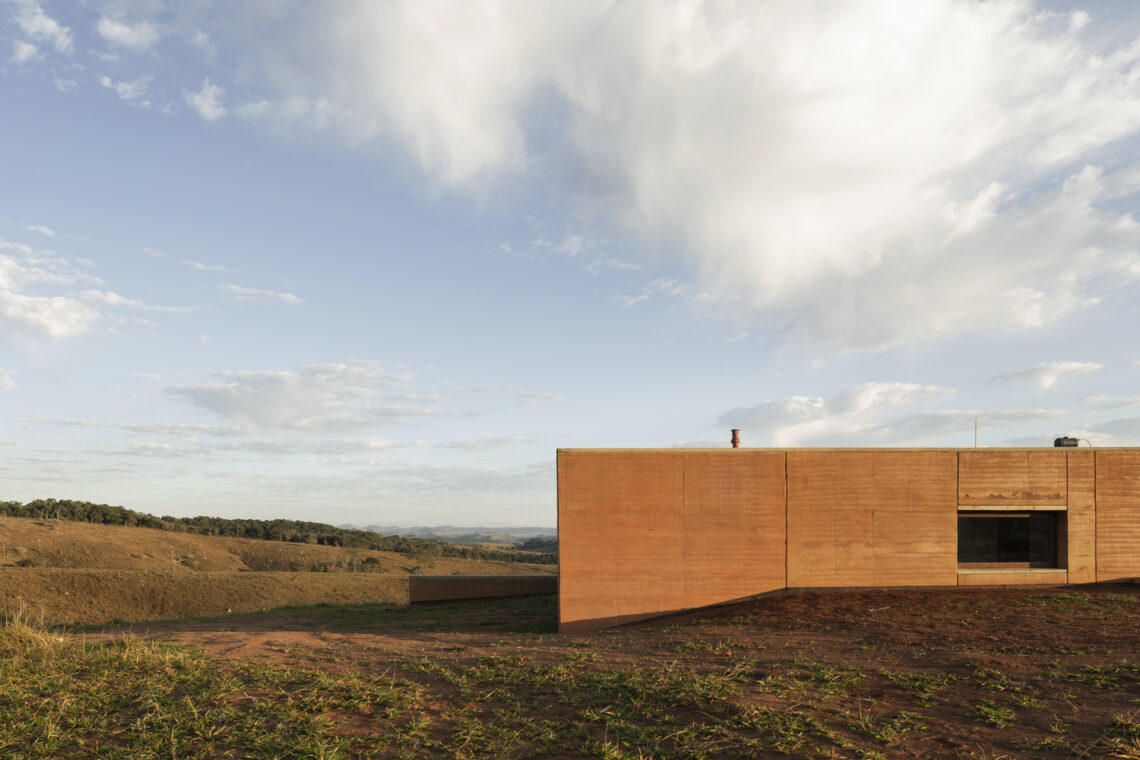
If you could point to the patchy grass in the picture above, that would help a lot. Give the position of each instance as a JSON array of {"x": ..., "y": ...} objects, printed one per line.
[
  {"x": 998, "y": 716},
  {"x": 925, "y": 686},
  {"x": 125, "y": 697},
  {"x": 472, "y": 680},
  {"x": 1097, "y": 602}
]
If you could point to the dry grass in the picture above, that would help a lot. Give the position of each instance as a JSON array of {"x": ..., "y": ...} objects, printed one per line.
[
  {"x": 82, "y": 546},
  {"x": 68, "y": 572}
]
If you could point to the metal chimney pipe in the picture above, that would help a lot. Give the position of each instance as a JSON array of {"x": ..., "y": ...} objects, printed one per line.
[{"x": 735, "y": 438}]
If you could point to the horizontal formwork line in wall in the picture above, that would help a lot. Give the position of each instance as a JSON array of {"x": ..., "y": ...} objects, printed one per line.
[{"x": 1012, "y": 507}]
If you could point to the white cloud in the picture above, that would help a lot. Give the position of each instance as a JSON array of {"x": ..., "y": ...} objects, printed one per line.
[
  {"x": 40, "y": 229},
  {"x": 325, "y": 397},
  {"x": 58, "y": 316},
  {"x": 37, "y": 25},
  {"x": 602, "y": 263},
  {"x": 515, "y": 390},
  {"x": 660, "y": 286},
  {"x": 938, "y": 423},
  {"x": 254, "y": 110},
  {"x": 255, "y": 295},
  {"x": 150, "y": 449},
  {"x": 137, "y": 37},
  {"x": 1105, "y": 401},
  {"x": 800, "y": 419},
  {"x": 148, "y": 251},
  {"x": 199, "y": 441},
  {"x": 62, "y": 315},
  {"x": 65, "y": 85},
  {"x": 859, "y": 174},
  {"x": 420, "y": 396},
  {"x": 132, "y": 89},
  {"x": 6, "y": 381},
  {"x": 311, "y": 446},
  {"x": 177, "y": 430},
  {"x": 207, "y": 101},
  {"x": 1119, "y": 432},
  {"x": 491, "y": 443},
  {"x": 54, "y": 316},
  {"x": 1047, "y": 374},
  {"x": 22, "y": 51},
  {"x": 109, "y": 298},
  {"x": 201, "y": 267},
  {"x": 590, "y": 253},
  {"x": 201, "y": 40},
  {"x": 289, "y": 447}
]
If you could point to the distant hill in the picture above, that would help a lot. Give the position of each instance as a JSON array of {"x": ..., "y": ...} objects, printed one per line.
[
  {"x": 449, "y": 531},
  {"x": 289, "y": 531},
  {"x": 510, "y": 537},
  {"x": 88, "y": 571}
]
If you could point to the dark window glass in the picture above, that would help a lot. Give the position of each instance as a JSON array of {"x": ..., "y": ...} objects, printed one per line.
[{"x": 1028, "y": 539}]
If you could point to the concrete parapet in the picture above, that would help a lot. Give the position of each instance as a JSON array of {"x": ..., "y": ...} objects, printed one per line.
[{"x": 439, "y": 588}]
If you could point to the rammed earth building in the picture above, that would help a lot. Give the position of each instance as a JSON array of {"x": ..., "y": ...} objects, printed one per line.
[{"x": 647, "y": 532}]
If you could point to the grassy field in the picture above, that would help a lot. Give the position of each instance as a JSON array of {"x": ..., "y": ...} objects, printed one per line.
[
  {"x": 845, "y": 675},
  {"x": 70, "y": 572}
]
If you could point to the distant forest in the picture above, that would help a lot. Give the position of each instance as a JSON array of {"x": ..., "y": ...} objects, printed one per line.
[{"x": 292, "y": 531}]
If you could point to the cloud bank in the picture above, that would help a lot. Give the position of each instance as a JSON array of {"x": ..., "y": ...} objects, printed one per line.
[
  {"x": 801, "y": 420},
  {"x": 855, "y": 175},
  {"x": 324, "y": 397},
  {"x": 858, "y": 174},
  {"x": 1046, "y": 375}
]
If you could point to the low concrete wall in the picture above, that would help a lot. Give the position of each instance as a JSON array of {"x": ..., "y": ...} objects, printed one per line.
[{"x": 439, "y": 588}]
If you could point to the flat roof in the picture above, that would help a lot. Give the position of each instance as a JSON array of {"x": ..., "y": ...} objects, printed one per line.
[{"x": 858, "y": 448}]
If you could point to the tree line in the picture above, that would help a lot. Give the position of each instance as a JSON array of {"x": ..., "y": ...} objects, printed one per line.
[{"x": 292, "y": 531}]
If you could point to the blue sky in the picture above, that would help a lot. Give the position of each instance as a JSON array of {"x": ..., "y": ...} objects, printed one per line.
[{"x": 373, "y": 262}]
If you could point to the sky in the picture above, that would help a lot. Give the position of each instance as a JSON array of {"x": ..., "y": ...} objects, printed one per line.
[{"x": 373, "y": 263}]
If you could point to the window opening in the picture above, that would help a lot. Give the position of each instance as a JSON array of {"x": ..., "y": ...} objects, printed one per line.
[{"x": 1007, "y": 539}]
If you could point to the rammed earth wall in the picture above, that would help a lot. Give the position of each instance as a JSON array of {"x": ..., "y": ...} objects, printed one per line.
[{"x": 649, "y": 532}]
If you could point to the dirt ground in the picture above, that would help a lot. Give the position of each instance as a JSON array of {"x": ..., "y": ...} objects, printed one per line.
[{"x": 1062, "y": 665}]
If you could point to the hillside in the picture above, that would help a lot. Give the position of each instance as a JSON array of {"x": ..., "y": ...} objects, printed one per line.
[
  {"x": 290, "y": 531},
  {"x": 79, "y": 572},
  {"x": 62, "y": 544},
  {"x": 521, "y": 538}
]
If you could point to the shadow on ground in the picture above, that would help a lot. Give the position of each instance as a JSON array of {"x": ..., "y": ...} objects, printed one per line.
[{"x": 524, "y": 614}]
